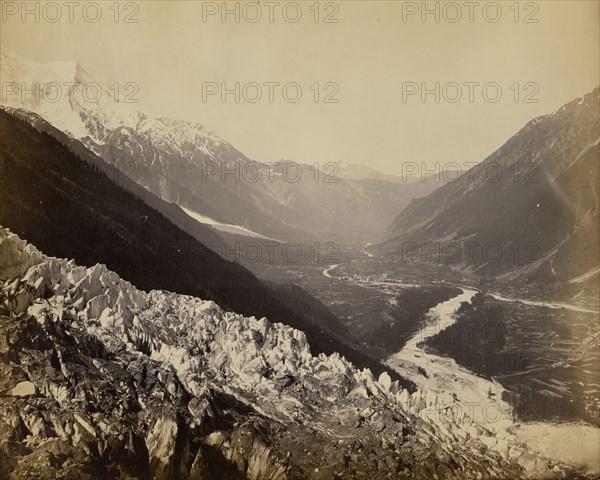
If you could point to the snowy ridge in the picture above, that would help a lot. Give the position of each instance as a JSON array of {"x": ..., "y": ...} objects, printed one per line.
[
  {"x": 223, "y": 227},
  {"x": 91, "y": 113}
]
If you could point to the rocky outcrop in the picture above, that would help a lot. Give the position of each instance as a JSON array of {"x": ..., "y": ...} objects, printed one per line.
[{"x": 101, "y": 380}]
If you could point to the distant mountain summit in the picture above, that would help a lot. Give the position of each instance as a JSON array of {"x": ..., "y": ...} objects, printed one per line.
[
  {"x": 358, "y": 171},
  {"x": 528, "y": 214},
  {"x": 61, "y": 92}
]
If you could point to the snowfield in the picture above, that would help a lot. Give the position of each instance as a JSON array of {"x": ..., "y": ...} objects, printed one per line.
[{"x": 224, "y": 227}]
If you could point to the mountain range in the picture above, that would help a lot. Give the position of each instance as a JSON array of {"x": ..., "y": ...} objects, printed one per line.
[{"x": 186, "y": 164}]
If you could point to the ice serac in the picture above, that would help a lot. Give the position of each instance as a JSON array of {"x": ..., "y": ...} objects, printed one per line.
[{"x": 102, "y": 380}]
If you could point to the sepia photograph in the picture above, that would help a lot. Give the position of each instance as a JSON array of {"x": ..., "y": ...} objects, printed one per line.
[{"x": 300, "y": 240}]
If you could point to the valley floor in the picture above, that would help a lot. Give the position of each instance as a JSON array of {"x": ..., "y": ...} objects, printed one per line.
[{"x": 358, "y": 292}]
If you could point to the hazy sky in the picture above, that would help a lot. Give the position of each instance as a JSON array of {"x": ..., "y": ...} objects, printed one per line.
[{"x": 370, "y": 54}]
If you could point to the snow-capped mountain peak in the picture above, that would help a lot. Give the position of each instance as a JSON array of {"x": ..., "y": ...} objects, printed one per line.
[{"x": 67, "y": 96}]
